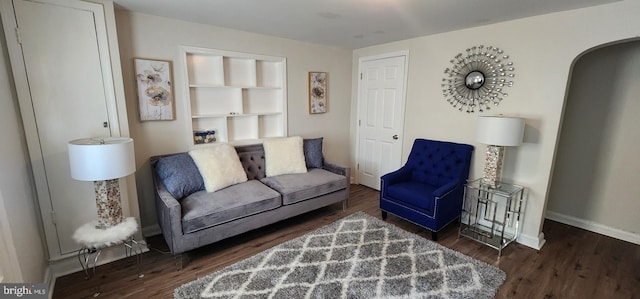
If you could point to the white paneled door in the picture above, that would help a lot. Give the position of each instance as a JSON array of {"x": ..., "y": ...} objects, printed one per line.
[
  {"x": 381, "y": 102},
  {"x": 69, "y": 96}
]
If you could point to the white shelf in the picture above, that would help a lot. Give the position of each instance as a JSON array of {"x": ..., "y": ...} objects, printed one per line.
[
  {"x": 233, "y": 87},
  {"x": 209, "y": 70},
  {"x": 239, "y": 71},
  {"x": 241, "y": 96},
  {"x": 201, "y": 85},
  {"x": 265, "y": 71},
  {"x": 234, "y": 115}
]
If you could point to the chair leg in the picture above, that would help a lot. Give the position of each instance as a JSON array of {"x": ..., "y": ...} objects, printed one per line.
[
  {"x": 434, "y": 236},
  {"x": 384, "y": 215}
]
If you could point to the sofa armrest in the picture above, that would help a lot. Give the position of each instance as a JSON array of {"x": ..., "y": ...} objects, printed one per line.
[
  {"x": 445, "y": 189},
  {"x": 337, "y": 169},
  {"x": 341, "y": 170},
  {"x": 167, "y": 201},
  {"x": 169, "y": 212},
  {"x": 401, "y": 175},
  {"x": 448, "y": 199}
]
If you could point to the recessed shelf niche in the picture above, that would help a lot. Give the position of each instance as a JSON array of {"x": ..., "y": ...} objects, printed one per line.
[{"x": 241, "y": 96}]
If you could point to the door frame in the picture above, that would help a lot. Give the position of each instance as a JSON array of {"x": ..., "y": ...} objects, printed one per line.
[
  {"x": 361, "y": 60},
  {"x": 9, "y": 268}
]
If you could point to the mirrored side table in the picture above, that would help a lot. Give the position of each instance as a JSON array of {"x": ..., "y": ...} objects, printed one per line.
[{"x": 491, "y": 215}]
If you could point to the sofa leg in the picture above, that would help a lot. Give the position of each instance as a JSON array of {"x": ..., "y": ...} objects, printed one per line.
[
  {"x": 434, "y": 236},
  {"x": 180, "y": 260},
  {"x": 345, "y": 206},
  {"x": 384, "y": 215}
]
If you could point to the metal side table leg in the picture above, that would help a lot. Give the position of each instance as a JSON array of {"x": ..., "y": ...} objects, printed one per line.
[
  {"x": 132, "y": 247},
  {"x": 84, "y": 257}
]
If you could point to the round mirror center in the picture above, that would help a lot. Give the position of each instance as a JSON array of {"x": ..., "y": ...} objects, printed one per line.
[{"x": 474, "y": 80}]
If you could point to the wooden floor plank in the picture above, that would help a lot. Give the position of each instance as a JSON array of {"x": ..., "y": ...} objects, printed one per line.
[{"x": 574, "y": 263}]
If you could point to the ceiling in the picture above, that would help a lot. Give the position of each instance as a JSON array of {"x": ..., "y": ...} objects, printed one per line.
[{"x": 350, "y": 24}]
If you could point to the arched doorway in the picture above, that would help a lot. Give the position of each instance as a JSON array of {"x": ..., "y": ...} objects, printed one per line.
[{"x": 596, "y": 177}]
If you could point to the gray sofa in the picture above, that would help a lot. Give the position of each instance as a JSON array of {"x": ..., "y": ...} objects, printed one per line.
[{"x": 201, "y": 218}]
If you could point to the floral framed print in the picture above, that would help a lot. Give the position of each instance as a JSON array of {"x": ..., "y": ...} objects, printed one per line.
[
  {"x": 154, "y": 81},
  {"x": 318, "y": 94}
]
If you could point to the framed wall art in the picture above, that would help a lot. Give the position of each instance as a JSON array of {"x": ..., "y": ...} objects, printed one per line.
[
  {"x": 318, "y": 94},
  {"x": 154, "y": 81}
]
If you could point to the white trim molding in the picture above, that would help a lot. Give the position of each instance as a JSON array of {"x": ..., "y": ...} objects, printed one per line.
[
  {"x": 594, "y": 227},
  {"x": 151, "y": 230},
  {"x": 70, "y": 263},
  {"x": 533, "y": 242}
]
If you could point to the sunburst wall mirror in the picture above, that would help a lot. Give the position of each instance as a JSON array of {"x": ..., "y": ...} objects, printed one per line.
[{"x": 477, "y": 80}]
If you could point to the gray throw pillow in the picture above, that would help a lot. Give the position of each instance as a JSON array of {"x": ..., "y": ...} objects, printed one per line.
[
  {"x": 180, "y": 175},
  {"x": 313, "y": 152}
]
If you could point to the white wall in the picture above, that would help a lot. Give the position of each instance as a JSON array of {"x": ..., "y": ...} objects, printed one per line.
[
  {"x": 543, "y": 49},
  {"x": 596, "y": 175},
  {"x": 149, "y": 36},
  {"x": 17, "y": 199}
]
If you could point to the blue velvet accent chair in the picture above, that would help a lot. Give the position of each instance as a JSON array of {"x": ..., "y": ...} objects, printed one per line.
[{"x": 428, "y": 189}]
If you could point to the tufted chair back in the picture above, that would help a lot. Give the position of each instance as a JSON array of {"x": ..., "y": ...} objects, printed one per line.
[{"x": 437, "y": 162}]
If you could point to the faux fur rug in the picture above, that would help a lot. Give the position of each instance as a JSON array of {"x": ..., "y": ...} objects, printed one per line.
[{"x": 356, "y": 257}]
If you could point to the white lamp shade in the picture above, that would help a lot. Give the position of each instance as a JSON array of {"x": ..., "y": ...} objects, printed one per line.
[
  {"x": 500, "y": 130},
  {"x": 98, "y": 159}
]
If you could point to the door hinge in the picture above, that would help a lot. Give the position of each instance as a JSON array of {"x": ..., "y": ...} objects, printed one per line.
[
  {"x": 358, "y": 166},
  {"x": 53, "y": 217},
  {"x": 360, "y": 76},
  {"x": 18, "y": 38},
  {"x": 359, "y": 122}
]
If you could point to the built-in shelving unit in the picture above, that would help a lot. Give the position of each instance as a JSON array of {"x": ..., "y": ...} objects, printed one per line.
[{"x": 242, "y": 97}]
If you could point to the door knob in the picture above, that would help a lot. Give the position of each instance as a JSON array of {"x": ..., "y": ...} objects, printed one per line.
[{"x": 395, "y": 137}]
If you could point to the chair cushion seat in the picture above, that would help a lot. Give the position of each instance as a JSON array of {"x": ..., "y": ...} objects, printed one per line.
[
  {"x": 302, "y": 186},
  {"x": 201, "y": 210},
  {"x": 412, "y": 193}
]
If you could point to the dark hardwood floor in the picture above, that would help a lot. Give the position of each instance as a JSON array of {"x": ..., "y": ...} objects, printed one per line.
[{"x": 574, "y": 263}]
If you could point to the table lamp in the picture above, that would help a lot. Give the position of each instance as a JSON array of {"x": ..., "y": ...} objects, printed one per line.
[
  {"x": 497, "y": 132},
  {"x": 103, "y": 161}
]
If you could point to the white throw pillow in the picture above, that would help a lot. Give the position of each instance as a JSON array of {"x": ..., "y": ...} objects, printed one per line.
[
  {"x": 219, "y": 166},
  {"x": 284, "y": 156}
]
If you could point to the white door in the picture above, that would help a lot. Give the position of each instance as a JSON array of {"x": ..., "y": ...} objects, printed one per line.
[
  {"x": 67, "y": 67},
  {"x": 381, "y": 102}
]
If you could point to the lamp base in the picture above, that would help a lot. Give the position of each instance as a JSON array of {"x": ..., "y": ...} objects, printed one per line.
[
  {"x": 108, "y": 203},
  {"x": 493, "y": 166}
]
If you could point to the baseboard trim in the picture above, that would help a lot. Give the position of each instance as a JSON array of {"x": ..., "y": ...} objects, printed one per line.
[
  {"x": 70, "y": 264},
  {"x": 524, "y": 239},
  {"x": 594, "y": 227},
  {"x": 50, "y": 280},
  {"x": 533, "y": 242},
  {"x": 151, "y": 230}
]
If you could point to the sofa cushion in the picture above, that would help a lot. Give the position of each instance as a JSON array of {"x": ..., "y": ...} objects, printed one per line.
[
  {"x": 219, "y": 166},
  {"x": 299, "y": 187},
  {"x": 179, "y": 175},
  {"x": 201, "y": 210},
  {"x": 413, "y": 193},
  {"x": 313, "y": 152},
  {"x": 284, "y": 156}
]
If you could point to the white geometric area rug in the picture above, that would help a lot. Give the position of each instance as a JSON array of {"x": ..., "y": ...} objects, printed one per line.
[{"x": 358, "y": 256}]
